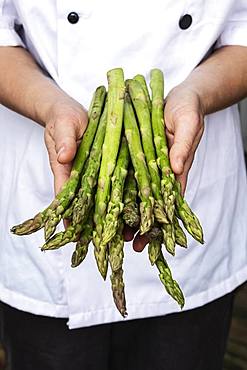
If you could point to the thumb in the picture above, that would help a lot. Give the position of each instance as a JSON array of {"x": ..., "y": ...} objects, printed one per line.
[
  {"x": 185, "y": 137},
  {"x": 65, "y": 137}
]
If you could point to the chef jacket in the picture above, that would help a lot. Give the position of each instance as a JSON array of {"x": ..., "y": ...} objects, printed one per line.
[{"x": 76, "y": 43}]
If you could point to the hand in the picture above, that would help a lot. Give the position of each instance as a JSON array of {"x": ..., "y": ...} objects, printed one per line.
[
  {"x": 184, "y": 128},
  {"x": 184, "y": 120},
  {"x": 65, "y": 124}
]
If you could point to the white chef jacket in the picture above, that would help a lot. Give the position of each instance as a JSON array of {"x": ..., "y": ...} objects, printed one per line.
[{"x": 137, "y": 36}]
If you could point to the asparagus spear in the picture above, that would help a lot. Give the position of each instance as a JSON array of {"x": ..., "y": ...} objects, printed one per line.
[
  {"x": 142, "y": 81},
  {"x": 169, "y": 237},
  {"x": 169, "y": 186},
  {"x": 131, "y": 214},
  {"x": 116, "y": 246},
  {"x": 180, "y": 236},
  {"x": 69, "y": 211},
  {"x": 31, "y": 225},
  {"x": 116, "y": 255},
  {"x": 68, "y": 191},
  {"x": 141, "y": 171},
  {"x": 155, "y": 233},
  {"x": 143, "y": 114},
  {"x": 68, "y": 214},
  {"x": 158, "y": 125},
  {"x": 118, "y": 291},
  {"x": 154, "y": 248},
  {"x": 167, "y": 280},
  {"x": 51, "y": 216},
  {"x": 89, "y": 179},
  {"x": 85, "y": 195},
  {"x": 91, "y": 106},
  {"x": 82, "y": 244},
  {"x": 115, "y": 205},
  {"x": 116, "y": 89},
  {"x": 189, "y": 219},
  {"x": 71, "y": 234},
  {"x": 156, "y": 257}
]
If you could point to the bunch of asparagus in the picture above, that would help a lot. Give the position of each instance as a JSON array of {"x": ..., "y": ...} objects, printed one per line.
[{"x": 121, "y": 176}]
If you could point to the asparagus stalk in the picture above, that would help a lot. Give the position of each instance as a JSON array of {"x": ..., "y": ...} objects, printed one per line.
[
  {"x": 117, "y": 284},
  {"x": 31, "y": 225},
  {"x": 69, "y": 211},
  {"x": 141, "y": 171},
  {"x": 143, "y": 114},
  {"x": 154, "y": 248},
  {"x": 85, "y": 195},
  {"x": 142, "y": 81},
  {"x": 158, "y": 125},
  {"x": 169, "y": 238},
  {"x": 180, "y": 236},
  {"x": 68, "y": 191},
  {"x": 51, "y": 216},
  {"x": 89, "y": 179},
  {"x": 115, "y": 206},
  {"x": 68, "y": 214},
  {"x": 167, "y": 280},
  {"x": 116, "y": 246},
  {"x": 116, "y": 89},
  {"x": 189, "y": 219},
  {"x": 131, "y": 214},
  {"x": 116, "y": 255},
  {"x": 155, "y": 233},
  {"x": 82, "y": 244},
  {"x": 71, "y": 234},
  {"x": 156, "y": 257},
  {"x": 91, "y": 106}
]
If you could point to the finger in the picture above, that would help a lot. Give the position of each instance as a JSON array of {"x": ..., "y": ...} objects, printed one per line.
[
  {"x": 182, "y": 179},
  {"x": 169, "y": 138},
  {"x": 66, "y": 136},
  {"x": 66, "y": 223},
  {"x": 129, "y": 233},
  {"x": 61, "y": 174},
  {"x": 140, "y": 242},
  {"x": 186, "y": 130},
  {"x": 60, "y": 171}
]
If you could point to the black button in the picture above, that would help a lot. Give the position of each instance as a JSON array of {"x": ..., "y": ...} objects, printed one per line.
[
  {"x": 73, "y": 17},
  {"x": 185, "y": 21}
]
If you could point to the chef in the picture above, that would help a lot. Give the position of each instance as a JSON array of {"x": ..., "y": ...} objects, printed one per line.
[{"x": 53, "y": 55}]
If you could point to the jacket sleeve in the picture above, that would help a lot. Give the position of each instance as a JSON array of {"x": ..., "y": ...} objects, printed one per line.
[
  {"x": 9, "y": 23},
  {"x": 235, "y": 30}
]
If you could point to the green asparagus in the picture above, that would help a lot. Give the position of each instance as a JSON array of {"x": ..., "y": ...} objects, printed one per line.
[
  {"x": 143, "y": 114},
  {"x": 141, "y": 171},
  {"x": 51, "y": 216},
  {"x": 116, "y": 90},
  {"x": 131, "y": 215},
  {"x": 142, "y": 81},
  {"x": 158, "y": 125},
  {"x": 85, "y": 195},
  {"x": 82, "y": 244},
  {"x": 189, "y": 219},
  {"x": 167, "y": 280},
  {"x": 115, "y": 205}
]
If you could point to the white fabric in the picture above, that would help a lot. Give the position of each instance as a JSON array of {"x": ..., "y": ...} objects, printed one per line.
[{"x": 137, "y": 37}]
